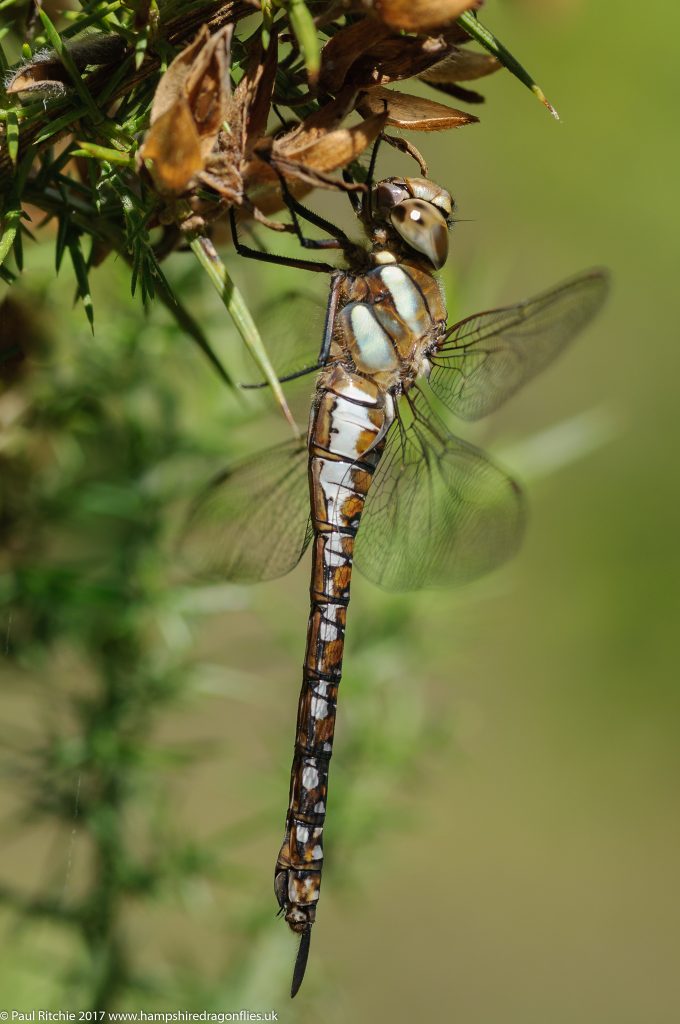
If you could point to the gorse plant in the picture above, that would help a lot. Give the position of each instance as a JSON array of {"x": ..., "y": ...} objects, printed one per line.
[
  {"x": 136, "y": 126},
  {"x": 81, "y": 524}
]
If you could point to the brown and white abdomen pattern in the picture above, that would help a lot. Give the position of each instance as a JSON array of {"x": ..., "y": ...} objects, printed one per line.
[{"x": 347, "y": 431}]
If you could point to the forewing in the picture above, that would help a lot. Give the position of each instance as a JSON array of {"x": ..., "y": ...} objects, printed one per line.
[
  {"x": 438, "y": 510},
  {"x": 251, "y": 522},
  {"x": 484, "y": 359}
]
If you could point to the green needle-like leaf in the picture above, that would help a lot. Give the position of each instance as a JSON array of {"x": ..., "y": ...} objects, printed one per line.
[
  {"x": 307, "y": 36},
  {"x": 80, "y": 268},
  {"x": 4, "y": 63},
  {"x": 113, "y": 156},
  {"x": 12, "y": 135},
  {"x": 10, "y": 226},
  {"x": 487, "y": 39}
]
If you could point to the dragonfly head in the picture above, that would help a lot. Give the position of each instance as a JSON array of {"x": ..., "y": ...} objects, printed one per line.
[{"x": 419, "y": 211}]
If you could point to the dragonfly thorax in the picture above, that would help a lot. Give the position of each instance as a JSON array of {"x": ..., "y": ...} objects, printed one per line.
[{"x": 390, "y": 318}]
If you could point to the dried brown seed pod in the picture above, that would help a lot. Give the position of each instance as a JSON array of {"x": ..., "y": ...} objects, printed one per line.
[
  {"x": 188, "y": 110},
  {"x": 420, "y": 15}
]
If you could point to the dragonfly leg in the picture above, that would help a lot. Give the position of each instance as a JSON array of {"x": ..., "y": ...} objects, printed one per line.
[
  {"x": 331, "y": 311},
  {"x": 352, "y": 196},
  {"x": 337, "y": 240},
  {"x": 367, "y": 204},
  {"x": 271, "y": 257},
  {"x": 404, "y": 146}
]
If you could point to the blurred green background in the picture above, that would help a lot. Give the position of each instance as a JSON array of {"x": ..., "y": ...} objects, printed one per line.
[{"x": 503, "y": 829}]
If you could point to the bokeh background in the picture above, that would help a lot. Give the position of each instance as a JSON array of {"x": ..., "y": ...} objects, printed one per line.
[{"x": 503, "y": 828}]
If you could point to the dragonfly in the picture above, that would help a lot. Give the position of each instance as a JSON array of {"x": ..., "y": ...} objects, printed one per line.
[{"x": 379, "y": 482}]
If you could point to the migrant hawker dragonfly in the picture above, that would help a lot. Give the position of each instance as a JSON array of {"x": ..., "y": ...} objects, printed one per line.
[{"x": 380, "y": 481}]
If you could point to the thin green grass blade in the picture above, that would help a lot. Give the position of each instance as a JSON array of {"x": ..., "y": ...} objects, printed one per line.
[
  {"x": 234, "y": 303},
  {"x": 98, "y": 17},
  {"x": 487, "y": 39},
  {"x": 303, "y": 26}
]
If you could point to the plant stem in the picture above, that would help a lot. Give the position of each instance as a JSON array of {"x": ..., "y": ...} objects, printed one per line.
[{"x": 207, "y": 256}]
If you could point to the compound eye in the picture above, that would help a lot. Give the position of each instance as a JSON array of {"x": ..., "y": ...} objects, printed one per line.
[
  {"x": 388, "y": 195},
  {"x": 423, "y": 227}
]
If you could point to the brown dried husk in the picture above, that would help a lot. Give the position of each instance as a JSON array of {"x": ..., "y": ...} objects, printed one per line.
[
  {"x": 413, "y": 112},
  {"x": 420, "y": 15},
  {"x": 461, "y": 66},
  {"x": 344, "y": 48},
  {"x": 394, "y": 59},
  {"x": 320, "y": 145},
  {"x": 188, "y": 110}
]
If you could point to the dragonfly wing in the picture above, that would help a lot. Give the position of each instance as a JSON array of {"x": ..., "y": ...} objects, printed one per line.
[
  {"x": 484, "y": 359},
  {"x": 292, "y": 326},
  {"x": 252, "y": 521},
  {"x": 438, "y": 510}
]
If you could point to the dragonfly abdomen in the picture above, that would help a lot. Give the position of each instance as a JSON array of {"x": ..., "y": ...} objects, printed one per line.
[{"x": 347, "y": 430}]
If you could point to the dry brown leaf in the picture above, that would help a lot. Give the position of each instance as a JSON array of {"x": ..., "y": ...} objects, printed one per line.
[
  {"x": 319, "y": 145},
  {"x": 246, "y": 116},
  {"x": 320, "y": 123},
  {"x": 461, "y": 66},
  {"x": 412, "y": 112},
  {"x": 172, "y": 85},
  {"x": 420, "y": 15},
  {"x": 263, "y": 188},
  {"x": 393, "y": 59},
  {"x": 309, "y": 176},
  {"x": 188, "y": 111},
  {"x": 338, "y": 148},
  {"x": 256, "y": 95},
  {"x": 344, "y": 48},
  {"x": 208, "y": 87},
  {"x": 172, "y": 149}
]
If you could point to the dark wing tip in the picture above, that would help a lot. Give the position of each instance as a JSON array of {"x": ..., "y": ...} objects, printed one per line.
[
  {"x": 598, "y": 276},
  {"x": 301, "y": 961}
]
